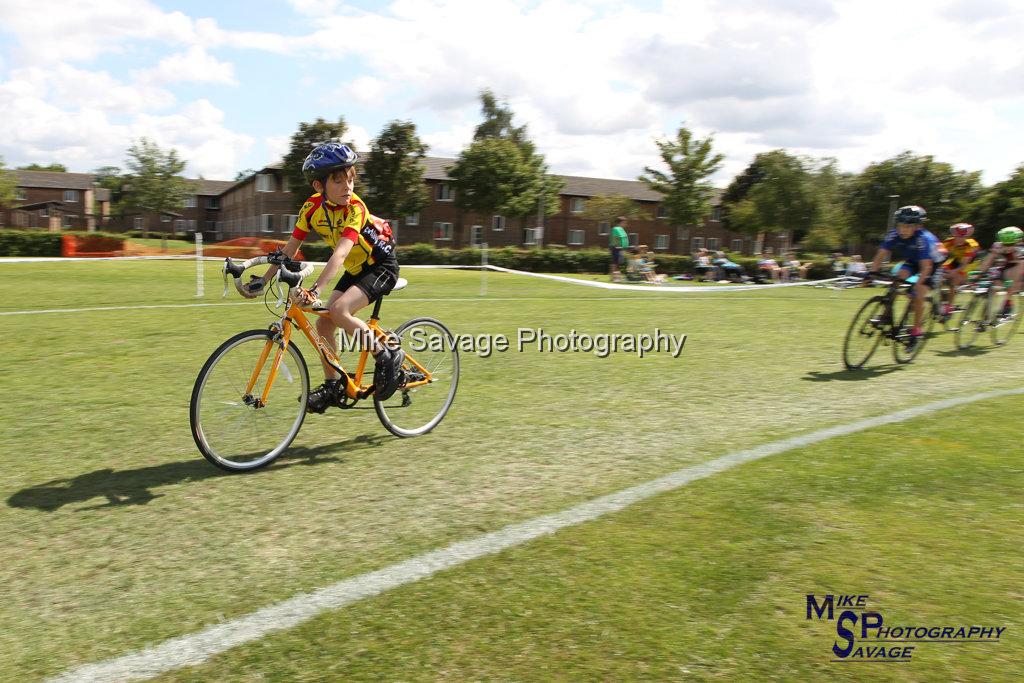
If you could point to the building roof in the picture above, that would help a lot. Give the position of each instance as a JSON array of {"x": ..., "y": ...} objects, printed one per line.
[
  {"x": 55, "y": 180},
  {"x": 212, "y": 187},
  {"x": 591, "y": 187}
]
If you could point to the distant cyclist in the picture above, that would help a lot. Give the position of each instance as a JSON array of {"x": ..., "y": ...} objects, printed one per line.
[
  {"x": 962, "y": 250},
  {"x": 920, "y": 251},
  {"x": 1005, "y": 258},
  {"x": 363, "y": 247}
]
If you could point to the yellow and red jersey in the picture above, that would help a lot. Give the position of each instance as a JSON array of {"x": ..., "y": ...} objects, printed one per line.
[
  {"x": 968, "y": 250},
  {"x": 371, "y": 236}
]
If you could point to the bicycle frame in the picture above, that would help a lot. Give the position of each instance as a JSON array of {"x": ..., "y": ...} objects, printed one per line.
[{"x": 294, "y": 317}]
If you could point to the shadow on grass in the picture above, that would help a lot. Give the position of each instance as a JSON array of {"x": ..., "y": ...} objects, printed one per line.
[
  {"x": 133, "y": 487},
  {"x": 851, "y": 375},
  {"x": 969, "y": 351}
]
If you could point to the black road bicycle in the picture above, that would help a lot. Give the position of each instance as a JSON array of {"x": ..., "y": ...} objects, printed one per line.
[
  {"x": 988, "y": 310},
  {"x": 888, "y": 317}
]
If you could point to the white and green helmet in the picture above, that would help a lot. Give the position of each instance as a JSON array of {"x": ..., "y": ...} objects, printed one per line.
[{"x": 1010, "y": 235}]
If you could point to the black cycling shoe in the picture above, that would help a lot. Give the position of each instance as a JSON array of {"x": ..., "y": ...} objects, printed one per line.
[
  {"x": 388, "y": 375},
  {"x": 323, "y": 396}
]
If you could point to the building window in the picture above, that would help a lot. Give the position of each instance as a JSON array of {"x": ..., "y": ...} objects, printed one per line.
[
  {"x": 662, "y": 212},
  {"x": 529, "y": 236},
  {"x": 211, "y": 225},
  {"x": 497, "y": 223},
  {"x": 577, "y": 204},
  {"x": 267, "y": 222},
  {"x": 212, "y": 203},
  {"x": 264, "y": 182},
  {"x": 288, "y": 220},
  {"x": 442, "y": 231},
  {"x": 661, "y": 242},
  {"x": 179, "y": 225},
  {"x": 445, "y": 193},
  {"x": 164, "y": 218},
  {"x": 71, "y": 196},
  {"x": 137, "y": 222},
  {"x": 44, "y": 212},
  {"x": 69, "y": 220},
  {"x": 716, "y": 213},
  {"x": 192, "y": 225},
  {"x": 682, "y": 234},
  {"x": 19, "y": 194},
  {"x": 604, "y": 227},
  {"x": 712, "y": 244},
  {"x": 191, "y": 202},
  {"x": 696, "y": 243},
  {"x": 576, "y": 237},
  {"x": 634, "y": 239},
  {"x": 476, "y": 235},
  {"x": 285, "y": 185},
  {"x": 412, "y": 219},
  {"x": 737, "y": 246}
]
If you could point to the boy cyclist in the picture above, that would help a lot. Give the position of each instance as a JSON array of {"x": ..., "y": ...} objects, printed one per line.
[
  {"x": 920, "y": 252},
  {"x": 962, "y": 250},
  {"x": 1007, "y": 257},
  {"x": 363, "y": 247}
]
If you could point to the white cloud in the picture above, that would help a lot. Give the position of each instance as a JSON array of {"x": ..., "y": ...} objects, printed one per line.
[{"x": 193, "y": 65}]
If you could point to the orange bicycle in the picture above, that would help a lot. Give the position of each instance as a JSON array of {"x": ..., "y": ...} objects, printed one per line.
[{"x": 249, "y": 399}]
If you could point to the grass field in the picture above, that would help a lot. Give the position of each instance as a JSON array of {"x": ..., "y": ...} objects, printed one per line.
[{"x": 119, "y": 535}]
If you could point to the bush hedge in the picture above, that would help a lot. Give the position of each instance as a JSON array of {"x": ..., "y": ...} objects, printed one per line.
[{"x": 45, "y": 243}]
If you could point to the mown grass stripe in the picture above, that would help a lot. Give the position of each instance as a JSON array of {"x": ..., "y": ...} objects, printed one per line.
[{"x": 195, "y": 648}]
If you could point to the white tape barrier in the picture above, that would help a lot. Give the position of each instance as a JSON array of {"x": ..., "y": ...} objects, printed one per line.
[{"x": 499, "y": 269}]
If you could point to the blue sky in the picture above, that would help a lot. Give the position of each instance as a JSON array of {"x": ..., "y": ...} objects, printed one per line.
[{"x": 595, "y": 81}]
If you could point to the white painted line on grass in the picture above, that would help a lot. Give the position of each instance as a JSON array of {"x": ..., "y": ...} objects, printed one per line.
[{"x": 196, "y": 648}]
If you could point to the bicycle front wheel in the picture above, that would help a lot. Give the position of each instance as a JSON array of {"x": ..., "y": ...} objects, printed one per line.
[
  {"x": 431, "y": 378},
  {"x": 971, "y": 322},
  {"x": 233, "y": 428},
  {"x": 865, "y": 332},
  {"x": 1004, "y": 318}
]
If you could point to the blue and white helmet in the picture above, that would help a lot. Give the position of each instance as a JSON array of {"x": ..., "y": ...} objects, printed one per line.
[
  {"x": 327, "y": 158},
  {"x": 912, "y": 215}
]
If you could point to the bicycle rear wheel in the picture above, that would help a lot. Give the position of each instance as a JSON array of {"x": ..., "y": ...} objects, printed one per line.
[
  {"x": 415, "y": 410},
  {"x": 971, "y": 322},
  {"x": 232, "y": 428},
  {"x": 864, "y": 333},
  {"x": 1003, "y": 320},
  {"x": 905, "y": 346}
]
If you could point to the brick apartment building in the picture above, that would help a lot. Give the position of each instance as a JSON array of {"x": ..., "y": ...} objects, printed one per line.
[
  {"x": 55, "y": 201},
  {"x": 263, "y": 204}
]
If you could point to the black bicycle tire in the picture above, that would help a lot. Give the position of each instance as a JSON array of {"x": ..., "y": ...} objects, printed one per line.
[
  {"x": 379, "y": 408},
  {"x": 967, "y": 319},
  {"x": 197, "y": 388},
  {"x": 1014, "y": 326},
  {"x": 853, "y": 324},
  {"x": 927, "y": 319}
]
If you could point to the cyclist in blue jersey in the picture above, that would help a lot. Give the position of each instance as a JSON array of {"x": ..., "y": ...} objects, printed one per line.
[{"x": 921, "y": 253}]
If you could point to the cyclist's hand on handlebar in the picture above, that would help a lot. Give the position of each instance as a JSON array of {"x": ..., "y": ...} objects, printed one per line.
[
  {"x": 304, "y": 297},
  {"x": 254, "y": 287}
]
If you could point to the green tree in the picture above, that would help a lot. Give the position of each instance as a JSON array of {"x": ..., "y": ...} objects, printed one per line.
[
  {"x": 1000, "y": 206},
  {"x": 58, "y": 168},
  {"x": 944, "y": 192},
  {"x": 831, "y": 217},
  {"x": 775, "y": 195},
  {"x": 501, "y": 172},
  {"x": 308, "y": 136},
  {"x": 608, "y": 207},
  {"x": 393, "y": 174},
  {"x": 685, "y": 187},
  {"x": 153, "y": 183},
  {"x": 8, "y": 186},
  {"x": 110, "y": 177},
  {"x": 242, "y": 175}
]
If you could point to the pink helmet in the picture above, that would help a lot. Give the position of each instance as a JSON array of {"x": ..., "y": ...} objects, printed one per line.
[{"x": 961, "y": 229}]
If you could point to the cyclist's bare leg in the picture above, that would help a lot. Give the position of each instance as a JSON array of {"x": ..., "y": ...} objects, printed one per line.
[
  {"x": 343, "y": 310},
  {"x": 920, "y": 294},
  {"x": 326, "y": 328}
]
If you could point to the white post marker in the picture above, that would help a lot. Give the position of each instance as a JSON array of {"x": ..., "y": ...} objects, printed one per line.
[
  {"x": 483, "y": 269},
  {"x": 199, "y": 264}
]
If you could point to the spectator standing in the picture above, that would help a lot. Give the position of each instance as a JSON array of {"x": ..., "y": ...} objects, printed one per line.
[{"x": 618, "y": 240}]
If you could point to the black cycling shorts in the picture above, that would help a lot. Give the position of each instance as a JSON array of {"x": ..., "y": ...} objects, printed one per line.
[{"x": 375, "y": 281}]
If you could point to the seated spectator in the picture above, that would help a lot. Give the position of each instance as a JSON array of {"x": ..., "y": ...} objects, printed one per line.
[
  {"x": 704, "y": 267},
  {"x": 838, "y": 267},
  {"x": 732, "y": 271},
  {"x": 633, "y": 263},
  {"x": 792, "y": 269},
  {"x": 647, "y": 265},
  {"x": 768, "y": 266},
  {"x": 856, "y": 265}
]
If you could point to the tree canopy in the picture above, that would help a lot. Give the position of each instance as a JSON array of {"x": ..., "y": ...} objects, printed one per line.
[
  {"x": 153, "y": 183},
  {"x": 774, "y": 194},
  {"x": 1001, "y": 205},
  {"x": 685, "y": 187},
  {"x": 57, "y": 168},
  {"x": 8, "y": 185},
  {"x": 608, "y": 207},
  {"x": 393, "y": 174}
]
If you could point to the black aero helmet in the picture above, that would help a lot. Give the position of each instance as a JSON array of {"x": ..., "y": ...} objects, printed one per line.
[
  {"x": 326, "y": 158},
  {"x": 910, "y": 214}
]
